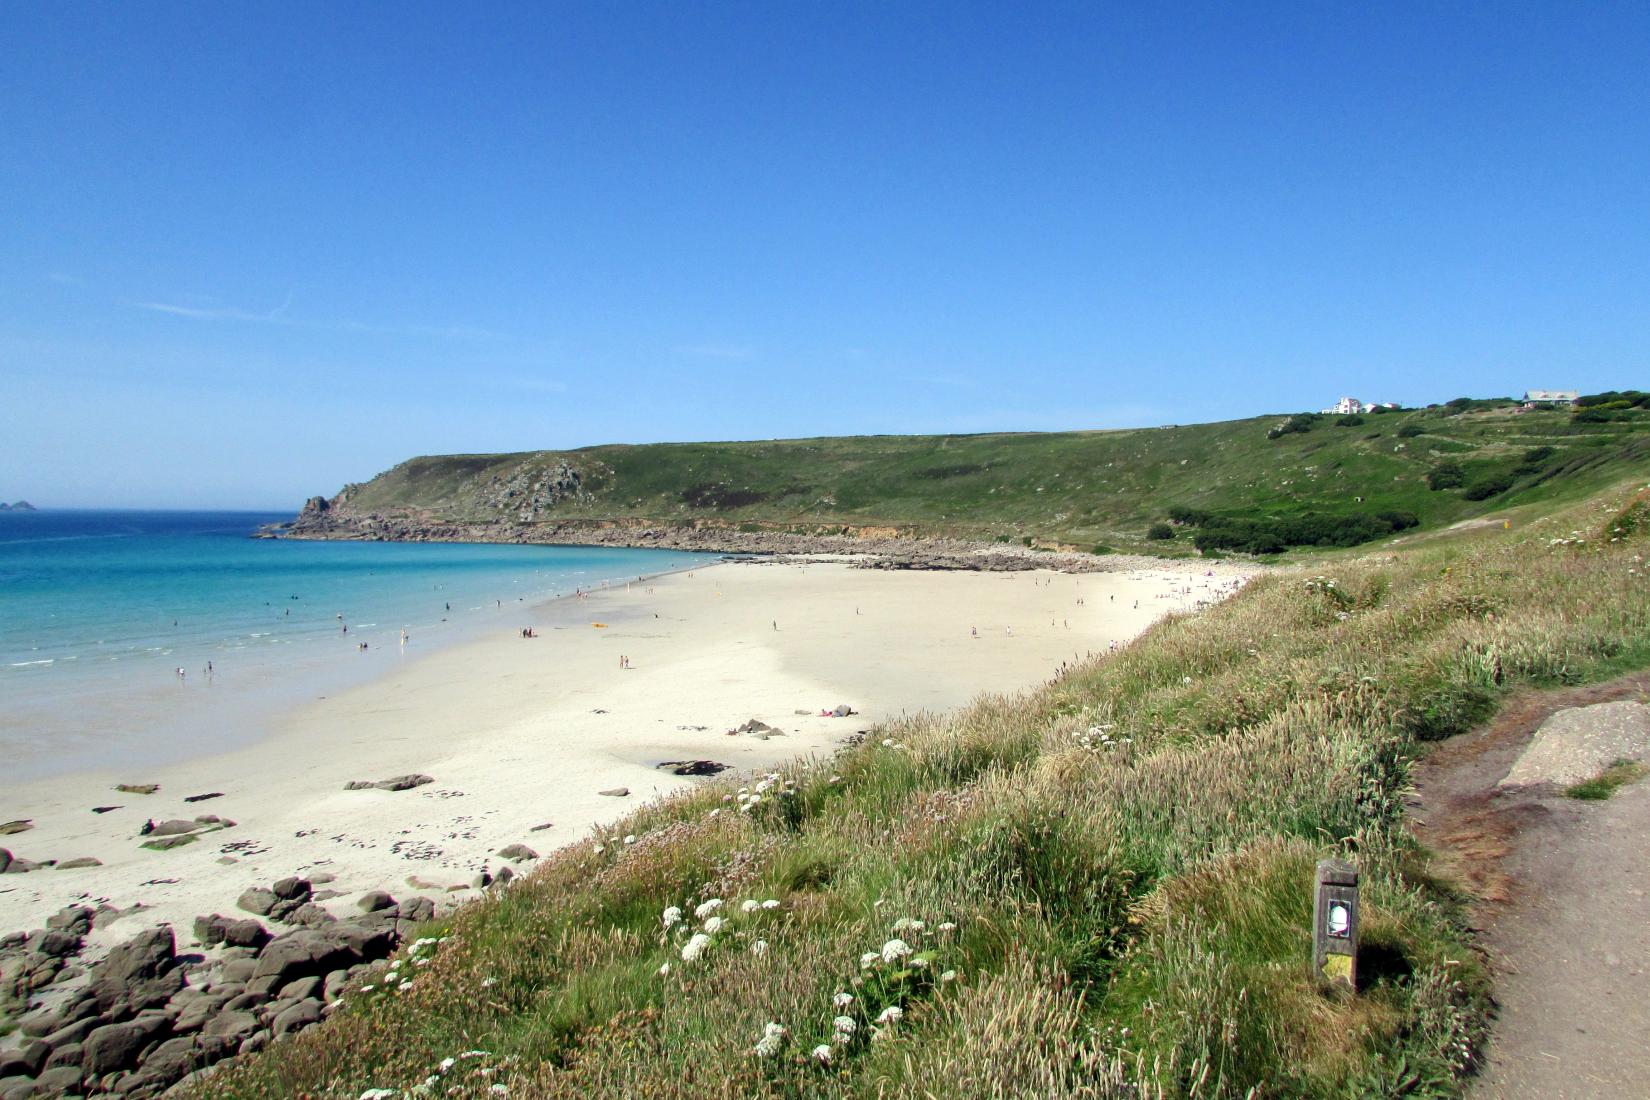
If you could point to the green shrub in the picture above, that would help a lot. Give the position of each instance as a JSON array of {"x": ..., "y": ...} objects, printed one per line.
[
  {"x": 1159, "y": 531},
  {"x": 1410, "y": 431},
  {"x": 1488, "y": 485},
  {"x": 1446, "y": 475},
  {"x": 1300, "y": 422},
  {"x": 1350, "y": 420}
]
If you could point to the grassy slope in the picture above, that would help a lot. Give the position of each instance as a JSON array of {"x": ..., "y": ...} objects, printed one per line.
[
  {"x": 1126, "y": 854},
  {"x": 1077, "y": 488}
]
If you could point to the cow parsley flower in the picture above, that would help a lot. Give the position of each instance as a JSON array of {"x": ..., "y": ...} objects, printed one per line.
[
  {"x": 869, "y": 959},
  {"x": 895, "y": 950},
  {"x": 695, "y": 947},
  {"x": 773, "y": 1037},
  {"x": 842, "y": 1000},
  {"x": 379, "y": 1094},
  {"x": 906, "y": 924},
  {"x": 771, "y": 903},
  {"x": 706, "y": 908},
  {"x": 672, "y": 916},
  {"x": 948, "y": 926},
  {"x": 759, "y": 948},
  {"x": 822, "y": 1054},
  {"x": 844, "y": 1026},
  {"x": 446, "y": 1064},
  {"x": 749, "y": 905},
  {"x": 664, "y": 970},
  {"x": 713, "y": 925},
  {"x": 891, "y": 1015}
]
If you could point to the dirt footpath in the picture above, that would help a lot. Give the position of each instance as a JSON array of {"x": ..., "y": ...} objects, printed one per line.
[{"x": 1564, "y": 910}]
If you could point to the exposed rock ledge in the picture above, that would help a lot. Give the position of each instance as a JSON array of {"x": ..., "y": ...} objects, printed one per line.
[{"x": 876, "y": 548}]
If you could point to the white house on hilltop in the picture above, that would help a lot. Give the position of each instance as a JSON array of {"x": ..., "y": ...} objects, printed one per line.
[
  {"x": 1550, "y": 397},
  {"x": 1351, "y": 406}
]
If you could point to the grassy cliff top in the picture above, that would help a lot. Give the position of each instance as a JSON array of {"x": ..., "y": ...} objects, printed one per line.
[{"x": 1071, "y": 488}]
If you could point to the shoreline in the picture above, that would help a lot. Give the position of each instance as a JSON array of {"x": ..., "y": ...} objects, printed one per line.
[
  {"x": 872, "y": 547},
  {"x": 518, "y": 734},
  {"x": 52, "y": 727}
]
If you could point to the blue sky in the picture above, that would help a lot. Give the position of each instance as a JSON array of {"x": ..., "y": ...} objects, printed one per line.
[{"x": 251, "y": 252}]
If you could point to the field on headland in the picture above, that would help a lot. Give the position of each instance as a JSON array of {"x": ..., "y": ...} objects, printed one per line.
[
  {"x": 1074, "y": 489},
  {"x": 1100, "y": 887}
]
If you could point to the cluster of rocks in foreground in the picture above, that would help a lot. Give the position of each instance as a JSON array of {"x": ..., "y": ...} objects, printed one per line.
[
  {"x": 147, "y": 1017},
  {"x": 321, "y": 519}
]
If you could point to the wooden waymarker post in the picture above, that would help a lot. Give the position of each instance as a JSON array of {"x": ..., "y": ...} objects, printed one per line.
[{"x": 1335, "y": 923}]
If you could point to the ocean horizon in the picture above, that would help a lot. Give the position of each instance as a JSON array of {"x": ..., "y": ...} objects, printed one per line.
[{"x": 131, "y": 637}]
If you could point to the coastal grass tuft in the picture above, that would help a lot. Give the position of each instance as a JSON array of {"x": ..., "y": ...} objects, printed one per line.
[
  {"x": 1607, "y": 782},
  {"x": 1097, "y": 888}
]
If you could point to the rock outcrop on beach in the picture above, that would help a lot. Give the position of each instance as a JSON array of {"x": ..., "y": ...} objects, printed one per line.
[
  {"x": 146, "y": 1016},
  {"x": 876, "y": 548}
]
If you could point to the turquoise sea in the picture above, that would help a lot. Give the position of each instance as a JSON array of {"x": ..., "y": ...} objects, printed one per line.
[{"x": 100, "y": 609}]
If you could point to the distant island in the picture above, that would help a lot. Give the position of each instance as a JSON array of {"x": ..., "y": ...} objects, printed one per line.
[{"x": 20, "y": 506}]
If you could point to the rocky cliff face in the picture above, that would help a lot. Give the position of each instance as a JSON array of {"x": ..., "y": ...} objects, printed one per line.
[
  {"x": 875, "y": 547},
  {"x": 525, "y": 493}
]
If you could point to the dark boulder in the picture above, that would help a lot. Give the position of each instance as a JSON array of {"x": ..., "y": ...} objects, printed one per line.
[
  {"x": 257, "y": 900},
  {"x": 302, "y": 1014},
  {"x": 116, "y": 1046}
]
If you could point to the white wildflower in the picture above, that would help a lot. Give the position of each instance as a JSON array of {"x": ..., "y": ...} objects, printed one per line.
[
  {"x": 773, "y": 1037},
  {"x": 713, "y": 925},
  {"x": 844, "y": 1026},
  {"x": 368, "y": 988},
  {"x": 599, "y": 849},
  {"x": 843, "y": 1000},
  {"x": 672, "y": 916},
  {"x": 379, "y": 1094},
  {"x": 749, "y": 905},
  {"x": 664, "y": 970},
  {"x": 447, "y": 1064},
  {"x": 891, "y": 1015},
  {"x": 771, "y": 903},
  {"x": 499, "y": 1090},
  {"x": 949, "y": 976},
  {"x": 895, "y": 950},
  {"x": 869, "y": 959},
  {"x": 948, "y": 926},
  {"x": 906, "y": 924},
  {"x": 630, "y": 839},
  {"x": 918, "y": 962},
  {"x": 759, "y": 948},
  {"x": 822, "y": 1054},
  {"x": 488, "y": 983},
  {"x": 695, "y": 947},
  {"x": 706, "y": 908}
]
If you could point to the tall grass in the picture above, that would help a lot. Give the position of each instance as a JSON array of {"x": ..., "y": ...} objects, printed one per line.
[{"x": 1110, "y": 875}]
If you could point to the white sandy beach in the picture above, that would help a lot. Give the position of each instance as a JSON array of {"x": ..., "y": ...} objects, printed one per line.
[{"x": 519, "y": 733}]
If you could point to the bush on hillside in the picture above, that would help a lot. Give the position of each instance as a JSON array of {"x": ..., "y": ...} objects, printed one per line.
[
  {"x": 1631, "y": 399},
  {"x": 1488, "y": 485},
  {"x": 1446, "y": 475},
  {"x": 1350, "y": 420},
  {"x": 1300, "y": 422},
  {"x": 1189, "y": 517},
  {"x": 1410, "y": 431},
  {"x": 1275, "y": 534},
  {"x": 1160, "y": 531}
]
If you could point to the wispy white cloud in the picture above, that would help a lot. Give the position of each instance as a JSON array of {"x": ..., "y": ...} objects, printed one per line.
[
  {"x": 280, "y": 316},
  {"x": 276, "y": 316},
  {"x": 715, "y": 351}
]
